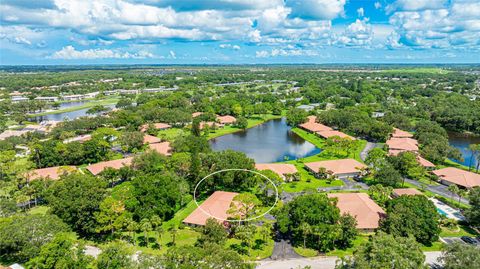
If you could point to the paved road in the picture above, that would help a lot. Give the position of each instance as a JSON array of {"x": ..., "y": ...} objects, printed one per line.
[
  {"x": 323, "y": 262},
  {"x": 440, "y": 190},
  {"x": 369, "y": 146}
]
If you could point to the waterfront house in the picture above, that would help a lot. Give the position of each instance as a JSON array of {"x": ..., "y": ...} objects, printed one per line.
[
  {"x": 459, "y": 177},
  {"x": 284, "y": 170}
]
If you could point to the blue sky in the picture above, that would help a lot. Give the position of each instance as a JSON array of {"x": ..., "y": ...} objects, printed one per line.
[{"x": 239, "y": 31}]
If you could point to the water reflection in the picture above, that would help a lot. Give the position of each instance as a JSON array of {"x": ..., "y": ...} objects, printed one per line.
[
  {"x": 61, "y": 116},
  {"x": 272, "y": 141},
  {"x": 462, "y": 143}
]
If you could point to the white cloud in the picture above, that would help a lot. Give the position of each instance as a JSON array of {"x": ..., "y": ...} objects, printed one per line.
[
  {"x": 229, "y": 46},
  {"x": 455, "y": 26},
  {"x": 172, "y": 54},
  {"x": 22, "y": 35},
  {"x": 316, "y": 9},
  {"x": 70, "y": 53},
  {"x": 285, "y": 52},
  {"x": 360, "y": 12},
  {"x": 415, "y": 5},
  {"x": 377, "y": 5},
  {"x": 358, "y": 33}
]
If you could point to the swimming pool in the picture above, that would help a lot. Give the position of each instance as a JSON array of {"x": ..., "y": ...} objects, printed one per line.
[{"x": 442, "y": 212}]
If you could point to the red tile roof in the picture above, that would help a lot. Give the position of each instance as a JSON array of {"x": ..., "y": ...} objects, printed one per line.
[
  {"x": 424, "y": 162},
  {"x": 162, "y": 148},
  {"x": 458, "y": 176},
  {"x": 342, "y": 166},
  {"x": 226, "y": 119},
  {"x": 216, "y": 206},
  {"x": 328, "y": 134},
  {"x": 150, "y": 139},
  {"x": 280, "y": 169},
  {"x": 361, "y": 207},
  {"x": 311, "y": 118},
  {"x": 315, "y": 127},
  {"x": 52, "y": 173},
  {"x": 97, "y": 168},
  {"x": 159, "y": 125},
  {"x": 407, "y": 191},
  {"x": 401, "y": 134},
  {"x": 407, "y": 144}
]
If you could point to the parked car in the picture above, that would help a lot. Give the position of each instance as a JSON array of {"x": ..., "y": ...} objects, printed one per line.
[{"x": 469, "y": 240}]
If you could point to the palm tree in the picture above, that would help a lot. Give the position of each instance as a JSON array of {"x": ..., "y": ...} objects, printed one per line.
[
  {"x": 157, "y": 225},
  {"x": 461, "y": 193},
  {"x": 132, "y": 226},
  {"x": 173, "y": 230},
  {"x": 475, "y": 149},
  {"x": 453, "y": 189},
  {"x": 306, "y": 230},
  {"x": 146, "y": 227}
]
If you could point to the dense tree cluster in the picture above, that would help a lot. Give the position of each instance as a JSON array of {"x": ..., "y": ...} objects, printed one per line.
[{"x": 315, "y": 220}]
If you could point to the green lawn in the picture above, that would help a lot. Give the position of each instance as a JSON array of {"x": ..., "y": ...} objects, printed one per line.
[
  {"x": 306, "y": 252},
  {"x": 180, "y": 215},
  {"x": 307, "y": 181},
  {"x": 414, "y": 70},
  {"x": 361, "y": 238},
  {"x": 461, "y": 230},
  {"x": 89, "y": 104},
  {"x": 184, "y": 237},
  {"x": 171, "y": 134},
  {"x": 40, "y": 210},
  {"x": 257, "y": 251}
]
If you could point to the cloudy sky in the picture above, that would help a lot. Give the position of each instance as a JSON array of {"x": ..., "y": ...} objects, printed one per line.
[{"x": 239, "y": 31}]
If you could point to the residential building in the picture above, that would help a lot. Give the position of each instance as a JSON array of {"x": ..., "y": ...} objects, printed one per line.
[
  {"x": 47, "y": 98},
  {"x": 343, "y": 168},
  {"x": 283, "y": 170},
  {"x": 216, "y": 206},
  {"x": 406, "y": 191},
  {"x": 459, "y": 177},
  {"x": 331, "y": 133},
  {"x": 97, "y": 168},
  {"x": 359, "y": 205},
  {"x": 52, "y": 173},
  {"x": 226, "y": 120},
  {"x": 162, "y": 148}
]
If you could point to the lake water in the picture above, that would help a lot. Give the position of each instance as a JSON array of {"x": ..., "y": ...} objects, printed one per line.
[
  {"x": 272, "y": 141},
  {"x": 462, "y": 143},
  {"x": 70, "y": 115}
]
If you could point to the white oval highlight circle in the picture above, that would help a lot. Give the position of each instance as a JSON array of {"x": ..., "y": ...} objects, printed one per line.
[{"x": 235, "y": 169}]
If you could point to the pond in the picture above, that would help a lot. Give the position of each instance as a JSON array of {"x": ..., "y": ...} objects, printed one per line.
[
  {"x": 462, "y": 142},
  {"x": 272, "y": 141},
  {"x": 61, "y": 116}
]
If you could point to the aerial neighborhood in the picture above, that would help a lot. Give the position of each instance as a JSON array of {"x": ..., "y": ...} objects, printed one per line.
[{"x": 249, "y": 170}]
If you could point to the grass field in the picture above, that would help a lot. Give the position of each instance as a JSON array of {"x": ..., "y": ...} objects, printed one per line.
[
  {"x": 413, "y": 70},
  {"x": 180, "y": 215},
  {"x": 257, "y": 251},
  {"x": 89, "y": 104}
]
